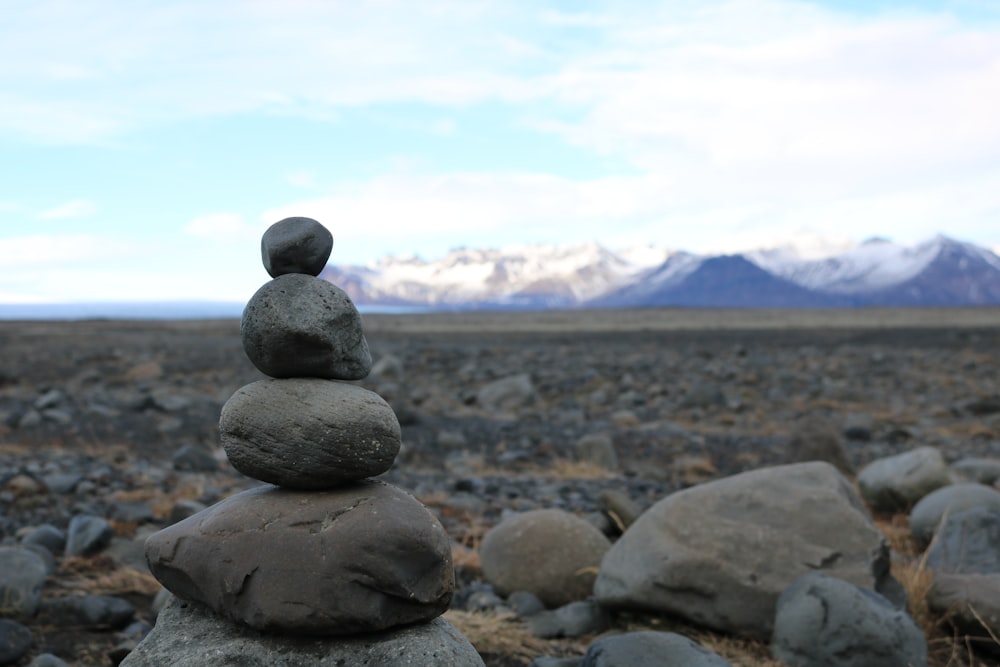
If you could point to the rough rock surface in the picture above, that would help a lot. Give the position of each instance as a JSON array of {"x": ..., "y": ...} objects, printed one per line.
[
  {"x": 895, "y": 483},
  {"x": 296, "y": 245},
  {"x": 821, "y": 620},
  {"x": 187, "y": 632},
  {"x": 722, "y": 552},
  {"x": 650, "y": 649},
  {"x": 308, "y": 433},
  {"x": 301, "y": 326},
  {"x": 947, "y": 501},
  {"x": 967, "y": 543},
  {"x": 551, "y": 553},
  {"x": 361, "y": 558},
  {"x": 971, "y": 602}
]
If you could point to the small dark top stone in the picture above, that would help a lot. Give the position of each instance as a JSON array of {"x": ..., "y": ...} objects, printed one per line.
[{"x": 296, "y": 245}]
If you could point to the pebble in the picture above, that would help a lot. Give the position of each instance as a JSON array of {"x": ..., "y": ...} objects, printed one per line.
[
  {"x": 948, "y": 500},
  {"x": 967, "y": 543},
  {"x": 189, "y": 458},
  {"x": 296, "y": 245},
  {"x": 94, "y": 611},
  {"x": 15, "y": 641},
  {"x": 48, "y": 660},
  {"x": 48, "y": 536},
  {"x": 87, "y": 535},
  {"x": 650, "y": 649},
  {"x": 570, "y": 620},
  {"x": 896, "y": 482},
  {"x": 22, "y": 577},
  {"x": 597, "y": 448}
]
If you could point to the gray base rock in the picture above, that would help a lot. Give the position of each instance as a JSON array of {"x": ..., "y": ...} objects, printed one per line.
[
  {"x": 307, "y": 433},
  {"x": 722, "y": 552},
  {"x": 821, "y": 620},
  {"x": 362, "y": 558},
  {"x": 188, "y": 634},
  {"x": 301, "y": 326}
]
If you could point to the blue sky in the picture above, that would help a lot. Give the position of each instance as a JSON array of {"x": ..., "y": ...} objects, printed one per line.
[{"x": 147, "y": 145}]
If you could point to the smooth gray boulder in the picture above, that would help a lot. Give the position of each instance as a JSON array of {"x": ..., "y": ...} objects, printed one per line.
[
  {"x": 650, "y": 649},
  {"x": 895, "y": 483},
  {"x": 364, "y": 557},
  {"x": 22, "y": 577},
  {"x": 720, "y": 553},
  {"x": 823, "y": 621},
  {"x": 968, "y": 542},
  {"x": 307, "y": 433},
  {"x": 88, "y": 535},
  {"x": 949, "y": 500},
  {"x": 971, "y": 603},
  {"x": 975, "y": 469},
  {"x": 296, "y": 245},
  {"x": 188, "y": 634},
  {"x": 549, "y": 552},
  {"x": 301, "y": 326}
]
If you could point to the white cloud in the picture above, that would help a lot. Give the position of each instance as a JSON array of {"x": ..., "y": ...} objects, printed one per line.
[
  {"x": 78, "y": 208},
  {"x": 218, "y": 226},
  {"x": 48, "y": 250}
]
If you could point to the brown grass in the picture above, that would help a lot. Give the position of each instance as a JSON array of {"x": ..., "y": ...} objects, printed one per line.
[{"x": 496, "y": 634}]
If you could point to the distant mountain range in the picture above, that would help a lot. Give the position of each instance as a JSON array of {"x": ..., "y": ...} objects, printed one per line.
[{"x": 938, "y": 272}]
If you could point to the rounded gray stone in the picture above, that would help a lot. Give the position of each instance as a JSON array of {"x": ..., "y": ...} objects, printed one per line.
[
  {"x": 949, "y": 500},
  {"x": 361, "y": 558},
  {"x": 296, "y": 245},
  {"x": 22, "y": 577},
  {"x": 548, "y": 552},
  {"x": 187, "y": 632},
  {"x": 968, "y": 542},
  {"x": 822, "y": 620},
  {"x": 301, "y": 326},
  {"x": 307, "y": 433},
  {"x": 88, "y": 535},
  {"x": 15, "y": 641},
  {"x": 895, "y": 483},
  {"x": 650, "y": 649}
]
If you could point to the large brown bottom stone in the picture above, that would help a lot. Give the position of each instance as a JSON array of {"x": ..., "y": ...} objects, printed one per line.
[{"x": 361, "y": 558}]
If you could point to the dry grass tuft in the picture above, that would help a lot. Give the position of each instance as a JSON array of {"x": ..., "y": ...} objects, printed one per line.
[{"x": 504, "y": 634}]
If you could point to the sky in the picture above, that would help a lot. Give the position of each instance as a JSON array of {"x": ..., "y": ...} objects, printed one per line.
[{"x": 145, "y": 146}]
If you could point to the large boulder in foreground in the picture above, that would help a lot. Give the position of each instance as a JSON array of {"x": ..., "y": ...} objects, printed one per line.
[
  {"x": 548, "y": 552},
  {"x": 361, "y": 558},
  {"x": 188, "y": 634},
  {"x": 721, "y": 553}
]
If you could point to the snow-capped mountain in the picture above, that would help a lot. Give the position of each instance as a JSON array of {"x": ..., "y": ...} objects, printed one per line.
[{"x": 940, "y": 271}]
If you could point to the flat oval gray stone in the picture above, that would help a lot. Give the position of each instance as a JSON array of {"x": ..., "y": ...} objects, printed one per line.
[
  {"x": 307, "y": 433},
  {"x": 186, "y": 633},
  {"x": 361, "y": 558},
  {"x": 296, "y": 245},
  {"x": 301, "y": 326},
  {"x": 948, "y": 500}
]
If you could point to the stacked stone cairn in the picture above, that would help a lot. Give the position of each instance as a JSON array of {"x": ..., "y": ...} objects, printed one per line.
[{"x": 321, "y": 565}]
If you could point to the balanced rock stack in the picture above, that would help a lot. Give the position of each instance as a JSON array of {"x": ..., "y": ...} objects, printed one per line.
[{"x": 321, "y": 565}]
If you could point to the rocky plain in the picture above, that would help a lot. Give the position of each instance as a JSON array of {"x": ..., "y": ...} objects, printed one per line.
[{"x": 109, "y": 431}]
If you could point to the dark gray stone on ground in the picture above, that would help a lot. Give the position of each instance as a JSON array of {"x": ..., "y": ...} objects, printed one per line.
[
  {"x": 570, "y": 620},
  {"x": 296, "y": 245},
  {"x": 895, "y": 483},
  {"x": 620, "y": 506},
  {"x": 546, "y": 661},
  {"x": 15, "y": 641},
  {"x": 22, "y": 578},
  {"x": 87, "y": 535},
  {"x": 364, "y": 557},
  {"x": 506, "y": 394},
  {"x": 821, "y": 620},
  {"x": 818, "y": 439},
  {"x": 599, "y": 449},
  {"x": 131, "y": 511},
  {"x": 549, "y": 552},
  {"x": 191, "y": 458},
  {"x": 186, "y": 632},
  {"x": 650, "y": 649},
  {"x": 308, "y": 433},
  {"x": 47, "y": 536},
  {"x": 301, "y": 326},
  {"x": 62, "y": 482},
  {"x": 184, "y": 508},
  {"x": 968, "y": 542},
  {"x": 949, "y": 500},
  {"x": 525, "y": 603},
  {"x": 976, "y": 469},
  {"x": 92, "y": 611},
  {"x": 720, "y": 553},
  {"x": 47, "y": 660},
  {"x": 971, "y": 603}
]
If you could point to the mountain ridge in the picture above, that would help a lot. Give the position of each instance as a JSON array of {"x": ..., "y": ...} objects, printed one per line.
[{"x": 938, "y": 272}]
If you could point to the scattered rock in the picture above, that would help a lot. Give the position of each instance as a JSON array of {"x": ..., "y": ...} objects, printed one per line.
[
  {"x": 650, "y": 649},
  {"x": 949, "y": 500},
  {"x": 525, "y": 603},
  {"x": 88, "y": 535},
  {"x": 186, "y": 632},
  {"x": 976, "y": 469},
  {"x": 22, "y": 577},
  {"x": 817, "y": 439},
  {"x": 968, "y": 542},
  {"x": 95, "y": 611},
  {"x": 189, "y": 458},
  {"x": 971, "y": 602},
  {"x": 506, "y": 394},
  {"x": 549, "y": 552},
  {"x": 896, "y": 482},
  {"x": 47, "y": 536},
  {"x": 361, "y": 558},
  {"x": 301, "y": 326},
  {"x": 307, "y": 433},
  {"x": 821, "y": 620},
  {"x": 623, "y": 510},
  {"x": 48, "y": 660},
  {"x": 597, "y": 448},
  {"x": 15, "y": 641},
  {"x": 570, "y": 620},
  {"x": 720, "y": 554}
]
